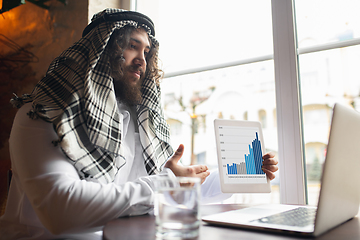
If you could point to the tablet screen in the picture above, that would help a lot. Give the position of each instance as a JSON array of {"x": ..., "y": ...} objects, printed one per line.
[{"x": 240, "y": 148}]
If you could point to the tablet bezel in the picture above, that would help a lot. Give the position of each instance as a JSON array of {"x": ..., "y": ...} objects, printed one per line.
[{"x": 239, "y": 187}]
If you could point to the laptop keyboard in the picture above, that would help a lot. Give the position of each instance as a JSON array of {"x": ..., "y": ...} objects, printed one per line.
[{"x": 296, "y": 217}]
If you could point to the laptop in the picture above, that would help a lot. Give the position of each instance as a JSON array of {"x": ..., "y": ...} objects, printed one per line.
[{"x": 339, "y": 194}]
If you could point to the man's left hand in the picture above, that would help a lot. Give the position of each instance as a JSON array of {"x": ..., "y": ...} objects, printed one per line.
[{"x": 270, "y": 165}]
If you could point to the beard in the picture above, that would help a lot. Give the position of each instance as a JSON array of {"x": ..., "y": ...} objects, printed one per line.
[{"x": 126, "y": 92}]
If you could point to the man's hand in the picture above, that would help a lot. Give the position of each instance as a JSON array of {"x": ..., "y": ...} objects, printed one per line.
[
  {"x": 200, "y": 171},
  {"x": 270, "y": 165}
]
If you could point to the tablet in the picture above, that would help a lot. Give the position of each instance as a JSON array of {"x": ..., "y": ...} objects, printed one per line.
[{"x": 240, "y": 147}]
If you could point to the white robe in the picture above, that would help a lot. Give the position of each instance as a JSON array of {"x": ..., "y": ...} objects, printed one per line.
[{"x": 48, "y": 200}]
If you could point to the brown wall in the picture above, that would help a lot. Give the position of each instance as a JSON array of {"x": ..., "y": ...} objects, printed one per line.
[{"x": 43, "y": 34}]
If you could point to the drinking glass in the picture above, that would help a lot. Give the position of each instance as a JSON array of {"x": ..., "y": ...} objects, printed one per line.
[{"x": 177, "y": 207}]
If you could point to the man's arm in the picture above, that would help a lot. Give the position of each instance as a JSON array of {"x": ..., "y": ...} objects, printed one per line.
[{"x": 61, "y": 200}]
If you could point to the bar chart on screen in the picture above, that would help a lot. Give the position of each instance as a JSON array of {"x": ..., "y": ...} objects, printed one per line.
[{"x": 241, "y": 154}]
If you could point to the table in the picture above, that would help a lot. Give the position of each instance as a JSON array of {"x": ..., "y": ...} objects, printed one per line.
[{"x": 143, "y": 228}]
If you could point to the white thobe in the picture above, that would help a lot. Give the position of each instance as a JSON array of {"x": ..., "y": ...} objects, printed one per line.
[{"x": 48, "y": 200}]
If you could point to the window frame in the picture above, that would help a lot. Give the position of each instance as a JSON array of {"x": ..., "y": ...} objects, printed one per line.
[
  {"x": 291, "y": 168},
  {"x": 288, "y": 104},
  {"x": 291, "y": 152},
  {"x": 293, "y": 185}
]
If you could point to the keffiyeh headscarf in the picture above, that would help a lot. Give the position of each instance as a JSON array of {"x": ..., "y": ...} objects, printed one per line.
[{"x": 78, "y": 97}]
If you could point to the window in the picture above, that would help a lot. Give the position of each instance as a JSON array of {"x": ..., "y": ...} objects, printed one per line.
[
  {"x": 245, "y": 116},
  {"x": 262, "y": 118},
  {"x": 175, "y": 126},
  {"x": 292, "y": 68},
  {"x": 217, "y": 59},
  {"x": 328, "y": 39}
]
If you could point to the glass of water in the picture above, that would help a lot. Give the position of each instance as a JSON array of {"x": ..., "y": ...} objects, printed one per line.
[{"x": 177, "y": 207}]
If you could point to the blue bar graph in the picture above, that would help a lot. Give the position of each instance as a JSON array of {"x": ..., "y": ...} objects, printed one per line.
[{"x": 253, "y": 160}]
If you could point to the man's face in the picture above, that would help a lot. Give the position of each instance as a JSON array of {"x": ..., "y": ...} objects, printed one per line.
[
  {"x": 128, "y": 86},
  {"x": 135, "y": 54}
]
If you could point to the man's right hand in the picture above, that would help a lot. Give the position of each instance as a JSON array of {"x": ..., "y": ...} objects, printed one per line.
[{"x": 200, "y": 171}]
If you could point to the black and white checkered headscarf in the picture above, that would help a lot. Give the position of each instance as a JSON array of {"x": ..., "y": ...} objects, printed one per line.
[{"x": 77, "y": 96}]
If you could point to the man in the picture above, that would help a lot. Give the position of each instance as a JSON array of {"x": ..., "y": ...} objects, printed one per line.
[{"x": 87, "y": 144}]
